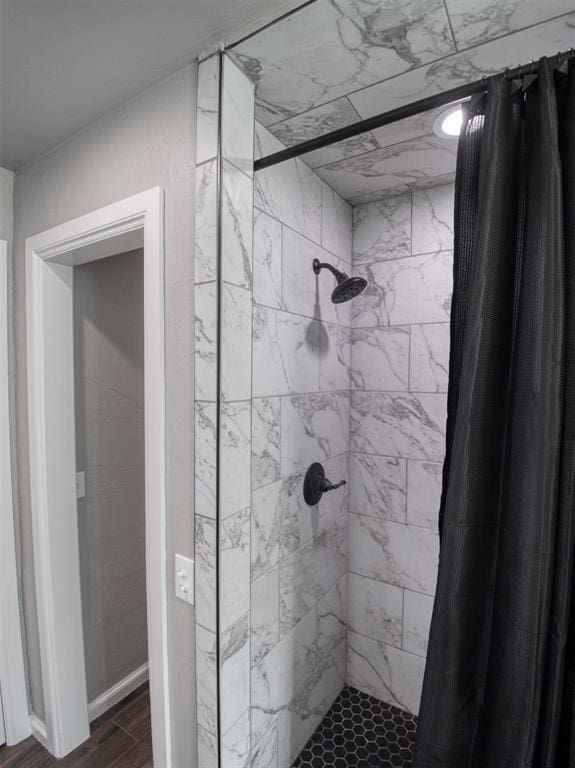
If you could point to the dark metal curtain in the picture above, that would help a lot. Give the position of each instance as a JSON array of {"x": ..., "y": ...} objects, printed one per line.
[{"x": 498, "y": 688}]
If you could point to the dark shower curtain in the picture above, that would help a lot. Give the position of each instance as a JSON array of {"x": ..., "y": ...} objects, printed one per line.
[{"x": 498, "y": 688}]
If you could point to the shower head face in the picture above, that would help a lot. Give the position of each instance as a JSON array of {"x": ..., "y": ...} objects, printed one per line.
[{"x": 348, "y": 289}]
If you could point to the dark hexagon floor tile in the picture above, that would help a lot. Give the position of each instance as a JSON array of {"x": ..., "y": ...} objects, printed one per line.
[{"x": 360, "y": 732}]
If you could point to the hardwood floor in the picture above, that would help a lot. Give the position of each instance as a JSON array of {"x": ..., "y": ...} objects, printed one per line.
[{"x": 120, "y": 738}]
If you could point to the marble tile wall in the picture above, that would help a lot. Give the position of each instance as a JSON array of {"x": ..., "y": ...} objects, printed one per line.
[
  {"x": 206, "y": 409},
  {"x": 399, "y": 364},
  {"x": 223, "y": 385},
  {"x": 300, "y": 414},
  {"x": 335, "y": 62}
]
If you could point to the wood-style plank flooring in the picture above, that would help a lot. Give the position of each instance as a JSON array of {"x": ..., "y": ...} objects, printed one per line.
[{"x": 120, "y": 738}]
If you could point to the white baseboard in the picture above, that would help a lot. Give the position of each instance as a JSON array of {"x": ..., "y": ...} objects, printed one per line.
[
  {"x": 117, "y": 692},
  {"x": 39, "y": 731}
]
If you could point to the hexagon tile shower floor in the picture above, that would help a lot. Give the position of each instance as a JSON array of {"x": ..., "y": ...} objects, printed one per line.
[{"x": 360, "y": 732}]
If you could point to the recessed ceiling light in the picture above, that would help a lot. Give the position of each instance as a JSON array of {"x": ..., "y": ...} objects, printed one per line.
[{"x": 448, "y": 124}]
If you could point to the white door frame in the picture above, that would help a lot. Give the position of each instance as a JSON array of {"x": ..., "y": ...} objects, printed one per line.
[
  {"x": 50, "y": 258},
  {"x": 14, "y": 699}
]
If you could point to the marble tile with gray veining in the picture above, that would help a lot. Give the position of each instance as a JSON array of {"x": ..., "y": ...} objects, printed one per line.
[
  {"x": 234, "y": 672},
  {"x": 266, "y": 412},
  {"x": 374, "y": 197},
  {"x": 236, "y": 743},
  {"x": 265, "y": 752},
  {"x": 380, "y": 358},
  {"x": 400, "y": 424},
  {"x": 236, "y": 343},
  {"x": 336, "y": 224},
  {"x": 235, "y": 457},
  {"x": 332, "y": 616},
  {"x": 237, "y": 117},
  {"x": 389, "y": 674},
  {"x": 237, "y": 226},
  {"x": 433, "y": 219},
  {"x": 297, "y": 723},
  {"x": 265, "y": 143},
  {"x": 424, "y": 481},
  {"x": 234, "y": 567},
  {"x": 382, "y": 230},
  {"x": 378, "y": 486},
  {"x": 206, "y": 338},
  {"x": 266, "y": 521},
  {"x": 310, "y": 572},
  {"x": 291, "y": 193},
  {"x": 299, "y": 522},
  {"x": 206, "y": 679},
  {"x": 315, "y": 122},
  {"x": 304, "y": 292},
  {"x": 207, "y": 109},
  {"x": 206, "y": 254},
  {"x": 356, "y": 145},
  {"x": 336, "y": 503},
  {"x": 295, "y": 684},
  {"x": 474, "y": 22},
  {"x": 466, "y": 67},
  {"x": 205, "y": 434},
  {"x": 206, "y": 558},
  {"x": 429, "y": 358},
  {"x": 345, "y": 44},
  {"x": 285, "y": 353},
  {"x": 416, "y": 621},
  {"x": 264, "y": 615},
  {"x": 416, "y": 289},
  {"x": 335, "y": 358},
  {"x": 375, "y": 609},
  {"x": 314, "y": 428},
  {"x": 398, "y": 554},
  {"x": 267, "y": 260},
  {"x": 207, "y": 749},
  {"x": 389, "y": 167},
  {"x": 409, "y": 128}
]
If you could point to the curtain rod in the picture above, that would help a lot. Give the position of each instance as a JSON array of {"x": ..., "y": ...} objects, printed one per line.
[{"x": 395, "y": 115}]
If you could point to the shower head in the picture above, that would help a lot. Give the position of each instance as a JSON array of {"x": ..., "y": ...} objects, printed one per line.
[{"x": 347, "y": 287}]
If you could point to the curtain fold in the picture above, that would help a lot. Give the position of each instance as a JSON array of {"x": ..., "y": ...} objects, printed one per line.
[{"x": 498, "y": 689}]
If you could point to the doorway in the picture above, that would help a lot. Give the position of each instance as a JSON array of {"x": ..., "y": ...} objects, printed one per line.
[{"x": 133, "y": 224}]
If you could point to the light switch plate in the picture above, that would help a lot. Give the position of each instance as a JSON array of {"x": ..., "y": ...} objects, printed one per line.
[
  {"x": 185, "y": 579},
  {"x": 80, "y": 485}
]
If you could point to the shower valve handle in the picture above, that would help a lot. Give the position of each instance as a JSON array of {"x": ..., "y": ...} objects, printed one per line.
[
  {"x": 315, "y": 484},
  {"x": 329, "y": 486}
]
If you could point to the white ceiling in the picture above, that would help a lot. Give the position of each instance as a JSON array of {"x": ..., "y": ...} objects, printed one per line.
[{"x": 65, "y": 63}]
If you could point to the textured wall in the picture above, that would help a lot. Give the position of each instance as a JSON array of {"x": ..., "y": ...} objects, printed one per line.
[
  {"x": 110, "y": 448},
  {"x": 300, "y": 414},
  {"x": 399, "y": 366},
  {"x": 148, "y": 142}
]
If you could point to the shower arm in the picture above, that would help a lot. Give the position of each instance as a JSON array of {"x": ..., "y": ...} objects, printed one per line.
[{"x": 318, "y": 266}]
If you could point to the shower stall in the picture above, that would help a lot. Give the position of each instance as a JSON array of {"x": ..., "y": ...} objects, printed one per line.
[
  {"x": 313, "y": 607},
  {"x": 324, "y": 278}
]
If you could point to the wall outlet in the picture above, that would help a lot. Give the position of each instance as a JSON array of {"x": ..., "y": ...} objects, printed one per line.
[
  {"x": 185, "y": 579},
  {"x": 80, "y": 485}
]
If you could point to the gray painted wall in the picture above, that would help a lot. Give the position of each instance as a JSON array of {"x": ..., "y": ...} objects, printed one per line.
[
  {"x": 110, "y": 449},
  {"x": 148, "y": 142}
]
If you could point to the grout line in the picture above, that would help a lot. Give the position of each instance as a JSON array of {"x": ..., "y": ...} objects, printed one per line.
[
  {"x": 393, "y": 522},
  {"x": 428, "y": 64},
  {"x": 388, "y": 645},
  {"x": 301, "y": 234},
  {"x": 451, "y": 30},
  {"x": 388, "y": 584}
]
